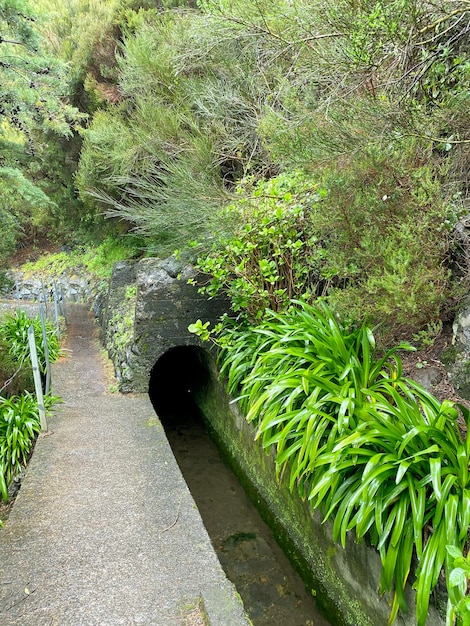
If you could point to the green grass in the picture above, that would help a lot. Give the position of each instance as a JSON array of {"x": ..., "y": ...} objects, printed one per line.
[{"x": 97, "y": 261}]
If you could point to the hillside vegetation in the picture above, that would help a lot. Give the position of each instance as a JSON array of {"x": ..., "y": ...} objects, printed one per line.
[
  {"x": 332, "y": 135},
  {"x": 321, "y": 148},
  {"x": 313, "y": 159}
]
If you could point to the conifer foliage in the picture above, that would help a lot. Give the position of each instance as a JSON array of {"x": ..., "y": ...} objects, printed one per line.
[{"x": 32, "y": 81}]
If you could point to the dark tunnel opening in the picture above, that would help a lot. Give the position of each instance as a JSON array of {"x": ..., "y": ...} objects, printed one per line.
[
  {"x": 176, "y": 381},
  {"x": 272, "y": 592}
]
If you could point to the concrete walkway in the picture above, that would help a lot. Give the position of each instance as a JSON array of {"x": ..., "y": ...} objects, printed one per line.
[{"x": 104, "y": 531}]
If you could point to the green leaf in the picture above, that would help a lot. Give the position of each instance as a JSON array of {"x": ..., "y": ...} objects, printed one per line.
[
  {"x": 445, "y": 500},
  {"x": 403, "y": 466},
  {"x": 458, "y": 578},
  {"x": 402, "y": 570},
  {"x": 426, "y": 579},
  {"x": 435, "y": 471},
  {"x": 3, "y": 484},
  {"x": 400, "y": 519},
  {"x": 454, "y": 552},
  {"x": 417, "y": 496},
  {"x": 464, "y": 512}
]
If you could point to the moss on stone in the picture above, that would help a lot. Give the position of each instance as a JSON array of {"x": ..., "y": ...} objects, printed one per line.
[{"x": 449, "y": 356}]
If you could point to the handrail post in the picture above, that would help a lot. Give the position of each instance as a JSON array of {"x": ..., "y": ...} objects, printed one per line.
[
  {"x": 46, "y": 349},
  {"x": 37, "y": 377}
]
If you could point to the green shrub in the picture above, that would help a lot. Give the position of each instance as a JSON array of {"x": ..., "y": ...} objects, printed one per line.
[
  {"x": 276, "y": 252},
  {"x": 16, "y": 373},
  {"x": 19, "y": 427},
  {"x": 14, "y": 377},
  {"x": 14, "y": 329},
  {"x": 19, "y": 414},
  {"x": 185, "y": 131},
  {"x": 100, "y": 260},
  {"x": 369, "y": 233},
  {"x": 459, "y": 579},
  {"x": 375, "y": 452},
  {"x": 389, "y": 227}
]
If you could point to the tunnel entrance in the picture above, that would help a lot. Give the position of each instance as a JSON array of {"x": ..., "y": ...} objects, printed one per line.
[
  {"x": 272, "y": 591},
  {"x": 176, "y": 380}
]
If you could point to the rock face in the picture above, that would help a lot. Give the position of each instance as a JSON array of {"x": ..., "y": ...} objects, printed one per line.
[
  {"x": 70, "y": 288},
  {"x": 148, "y": 310},
  {"x": 427, "y": 377},
  {"x": 457, "y": 358}
]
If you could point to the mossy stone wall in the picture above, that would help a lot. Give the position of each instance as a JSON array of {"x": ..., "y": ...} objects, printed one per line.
[
  {"x": 345, "y": 581},
  {"x": 148, "y": 309}
]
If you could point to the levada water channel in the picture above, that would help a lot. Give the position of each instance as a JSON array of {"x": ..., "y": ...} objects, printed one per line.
[{"x": 272, "y": 592}]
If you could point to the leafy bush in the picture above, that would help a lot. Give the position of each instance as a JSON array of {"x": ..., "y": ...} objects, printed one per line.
[
  {"x": 276, "y": 252},
  {"x": 371, "y": 236},
  {"x": 375, "y": 452},
  {"x": 14, "y": 329},
  {"x": 14, "y": 377},
  {"x": 19, "y": 414},
  {"x": 99, "y": 261},
  {"x": 209, "y": 96},
  {"x": 458, "y": 579},
  {"x": 19, "y": 427},
  {"x": 25, "y": 204},
  {"x": 164, "y": 159}
]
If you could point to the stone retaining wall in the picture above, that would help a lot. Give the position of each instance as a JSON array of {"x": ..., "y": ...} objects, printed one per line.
[{"x": 71, "y": 288}]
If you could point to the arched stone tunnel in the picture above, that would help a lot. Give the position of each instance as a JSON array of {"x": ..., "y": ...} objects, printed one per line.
[{"x": 145, "y": 318}]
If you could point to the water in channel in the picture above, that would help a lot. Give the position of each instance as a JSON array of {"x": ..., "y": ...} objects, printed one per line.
[{"x": 272, "y": 592}]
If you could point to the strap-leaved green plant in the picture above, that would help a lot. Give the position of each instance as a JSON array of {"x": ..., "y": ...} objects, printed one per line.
[
  {"x": 376, "y": 453},
  {"x": 19, "y": 414},
  {"x": 19, "y": 426},
  {"x": 14, "y": 328}
]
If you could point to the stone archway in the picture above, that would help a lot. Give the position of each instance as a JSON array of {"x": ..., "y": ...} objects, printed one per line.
[{"x": 149, "y": 306}]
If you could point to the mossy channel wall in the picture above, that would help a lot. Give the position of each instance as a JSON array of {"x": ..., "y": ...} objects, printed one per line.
[{"x": 345, "y": 581}]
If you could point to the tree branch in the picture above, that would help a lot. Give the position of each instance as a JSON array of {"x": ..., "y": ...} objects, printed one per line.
[
  {"x": 444, "y": 18},
  {"x": 17, "y": 43}
]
